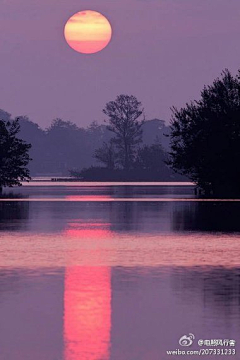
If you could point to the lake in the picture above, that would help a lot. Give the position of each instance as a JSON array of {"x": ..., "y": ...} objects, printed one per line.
[{"x": 117, "y": 272}]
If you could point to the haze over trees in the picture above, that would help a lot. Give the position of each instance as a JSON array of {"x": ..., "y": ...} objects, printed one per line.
[
  {"x": 64, "y": 146},
  {"x": 14, "y": 154},
  {"x": 124, "y": 157},
  {"x": 204, "y": 144},
  {"x": 205, "y": 138},
  {"x": 125, "y": 145}
]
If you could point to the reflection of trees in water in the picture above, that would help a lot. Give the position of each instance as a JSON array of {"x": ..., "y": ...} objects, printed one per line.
[
  {"x": 207, "y": 216},
  {"x": 13, "y": 215},
  {"x": 141, "y": 217},
  {"x": 151, "y": 191},
  {"x": 117, "y": 216},
  {"x": 123, "y": 191},
  {"x": 216, "y": 287},
  {"x": 123, "y": 216}
]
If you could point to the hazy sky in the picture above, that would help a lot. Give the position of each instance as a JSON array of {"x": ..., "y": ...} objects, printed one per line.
[{"x": 162, "y": 51}]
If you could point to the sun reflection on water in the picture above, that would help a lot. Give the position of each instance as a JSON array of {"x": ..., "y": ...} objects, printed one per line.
[{"x": 87, "y": 313}]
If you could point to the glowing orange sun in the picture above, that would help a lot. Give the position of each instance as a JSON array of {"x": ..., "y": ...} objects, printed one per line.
[{"x": 88, "y": 32}]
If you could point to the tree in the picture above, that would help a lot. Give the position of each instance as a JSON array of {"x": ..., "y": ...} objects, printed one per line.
[
  {"x": 14, "y": 155},
  {"x": 66, "y": 144},
  {"x": 4, "y": 115},
  {"x": 32, "y": 133},
  {"x": 106, "y": 154},
  {"x": 205, "y": 138},
  {"x": 151, "y": 157},
  {"x": 124, "y": 121}
]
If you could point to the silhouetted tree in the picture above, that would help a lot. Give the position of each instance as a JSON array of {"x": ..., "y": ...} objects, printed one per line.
[
  {"x": 124, "y": 121},
  {"x": 106, "y": 154},
  {"x": 14, "y": 155},
  {"x": 151, "y": 157},
  {"x": 205, "y": 138},
  {"x": 4, "y": 115}
]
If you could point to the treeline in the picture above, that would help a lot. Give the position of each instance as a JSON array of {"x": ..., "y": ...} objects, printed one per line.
[
  {"x": 125, "y": 156},
  {"x": 65, "y": 147},
  {"x": 204, "y": 144},
  {"x": 149, "y": 164}
]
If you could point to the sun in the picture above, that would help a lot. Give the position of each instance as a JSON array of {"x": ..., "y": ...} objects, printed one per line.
[{"x": 88, "y": 32}]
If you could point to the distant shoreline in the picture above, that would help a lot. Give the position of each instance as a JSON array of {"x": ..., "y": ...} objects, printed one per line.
[{"x": 75, "y": 182}]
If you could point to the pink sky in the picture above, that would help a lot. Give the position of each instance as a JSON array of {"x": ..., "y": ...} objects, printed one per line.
[{"x": 162, "y": 51}]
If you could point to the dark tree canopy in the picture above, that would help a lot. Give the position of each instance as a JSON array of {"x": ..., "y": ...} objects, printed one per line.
[
  {"x": 14, "y": 155},
  {"x": 124, "y": 121},
  {"x": 106, "y": 155},
  {"x": 205, "y": 138},
  {"x": 151, "y": 157}
]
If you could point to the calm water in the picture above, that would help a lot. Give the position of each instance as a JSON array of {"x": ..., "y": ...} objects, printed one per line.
[{"x": 116, "y": 272}]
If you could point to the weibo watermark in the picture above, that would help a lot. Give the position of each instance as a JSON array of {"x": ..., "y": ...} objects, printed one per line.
[
  {"x": 186, "y": 340},
  {"x": 206, "y": 347}
]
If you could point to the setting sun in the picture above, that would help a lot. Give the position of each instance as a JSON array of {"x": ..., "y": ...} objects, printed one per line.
[{"x": 88, "y": 32}]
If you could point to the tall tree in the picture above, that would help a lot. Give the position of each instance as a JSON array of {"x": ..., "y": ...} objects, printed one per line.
[
  {"x": 205, "y": 138},
  {"x": 124, "y": 121},
  {"x": 14, "y": 156}
]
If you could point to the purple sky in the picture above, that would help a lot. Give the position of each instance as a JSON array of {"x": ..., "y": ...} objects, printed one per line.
[{"x": 162, "y": 51}]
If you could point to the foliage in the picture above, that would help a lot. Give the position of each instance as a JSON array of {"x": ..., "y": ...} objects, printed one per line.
[
  {"x": 151, "y": 157},
  {"x": 205, "y": 138},
  {"x": 64, "y": 145},
  {"x": 61, "y": 125},
  {"x": 64, "y": 141},
  {"x": 14, "y": 155},
  {"x": 124, "y": 121},
  {"x": 136, "y": 174},
  {"x": 149, "y": 166},
  {"x": 106, "y": 154}
]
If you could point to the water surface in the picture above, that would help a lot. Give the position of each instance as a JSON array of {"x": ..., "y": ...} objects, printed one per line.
[{"x": 115, "y": 272}]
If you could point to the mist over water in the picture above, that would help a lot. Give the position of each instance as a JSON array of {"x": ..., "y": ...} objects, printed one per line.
[{"x": 115, "y": 272}]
